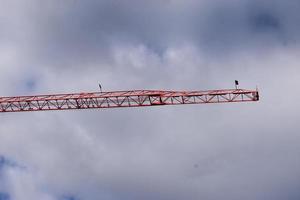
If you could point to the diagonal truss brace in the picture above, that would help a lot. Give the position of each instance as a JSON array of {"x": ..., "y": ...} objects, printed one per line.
[{"x": 134, "y": 98}]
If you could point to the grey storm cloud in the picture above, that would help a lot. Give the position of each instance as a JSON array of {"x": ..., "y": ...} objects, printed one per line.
[
  {"x": 235, "y": 151},
  {"x": 83, "y": 31},
  {"x": 75, "y": 31}
]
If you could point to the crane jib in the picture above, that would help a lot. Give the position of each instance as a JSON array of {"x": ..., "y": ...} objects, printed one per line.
[{"x": 118, "y": 99}]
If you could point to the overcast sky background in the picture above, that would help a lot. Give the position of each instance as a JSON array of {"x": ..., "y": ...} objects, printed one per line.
[{"x": 230, "y": 151}]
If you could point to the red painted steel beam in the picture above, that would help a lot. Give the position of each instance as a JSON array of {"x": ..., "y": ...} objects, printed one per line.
[{"x": 117, "y": 99}]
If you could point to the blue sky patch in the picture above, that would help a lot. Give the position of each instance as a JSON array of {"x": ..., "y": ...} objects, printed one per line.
[
  {"x": 30, "y": 84},
  {"x": 5, "y": 162},
  {"x": 4, "y": 196}
]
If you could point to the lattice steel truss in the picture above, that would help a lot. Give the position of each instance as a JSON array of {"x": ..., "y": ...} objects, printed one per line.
[{"x": 135, "y": 98}]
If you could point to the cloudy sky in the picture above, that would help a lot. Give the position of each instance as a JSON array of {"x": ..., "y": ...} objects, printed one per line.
[{"x": 230, "y": 151}]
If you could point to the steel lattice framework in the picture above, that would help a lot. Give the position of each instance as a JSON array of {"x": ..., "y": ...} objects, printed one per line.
[{"x": 134, "y": 98}]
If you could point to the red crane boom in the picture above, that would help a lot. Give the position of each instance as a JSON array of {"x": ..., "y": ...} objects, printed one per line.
[{"x": 116, "y": 99}]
